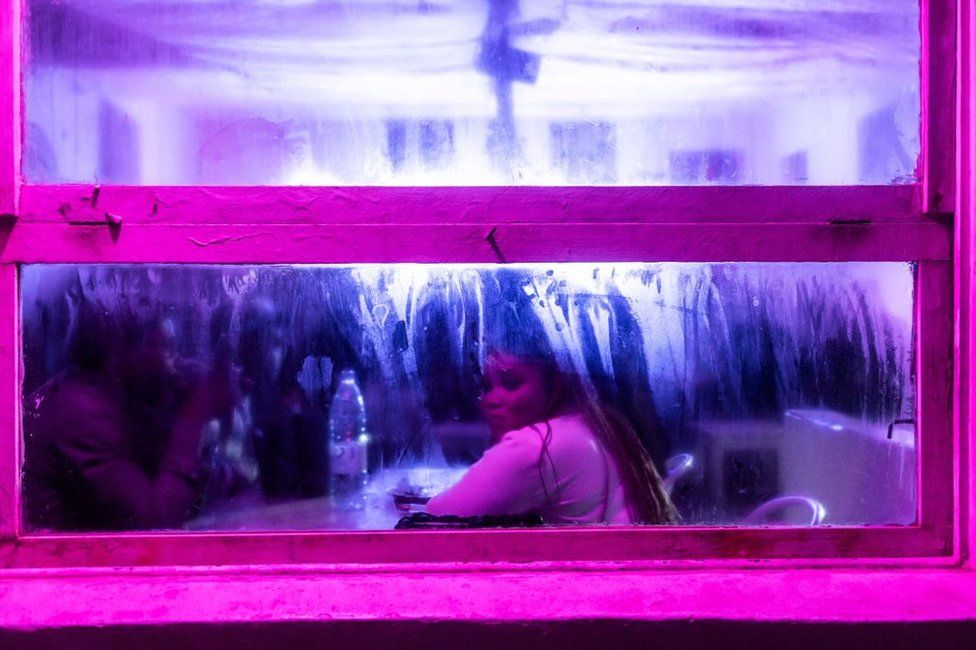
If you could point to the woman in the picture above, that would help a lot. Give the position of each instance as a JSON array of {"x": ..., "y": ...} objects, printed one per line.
[{"x": 556, "y": 453}]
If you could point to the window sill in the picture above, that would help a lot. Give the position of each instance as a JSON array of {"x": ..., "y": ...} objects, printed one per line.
[{"x": 238, "y": 597}]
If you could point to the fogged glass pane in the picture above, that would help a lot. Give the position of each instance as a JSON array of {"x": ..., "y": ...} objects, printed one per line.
[
  {"x": 472, "y": 92},
  {"x": 335, "y": 397}
]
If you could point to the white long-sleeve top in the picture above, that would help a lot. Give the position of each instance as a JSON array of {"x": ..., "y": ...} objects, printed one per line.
[{"x": 576, "y": 482}]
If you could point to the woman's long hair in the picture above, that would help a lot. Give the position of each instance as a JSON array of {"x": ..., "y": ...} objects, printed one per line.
[{"x": 647, "y": 499}]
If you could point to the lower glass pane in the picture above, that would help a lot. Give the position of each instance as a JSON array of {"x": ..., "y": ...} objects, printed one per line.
[
  {"x": 472, "y": 92},
  {"x": 357, "y": 397}
]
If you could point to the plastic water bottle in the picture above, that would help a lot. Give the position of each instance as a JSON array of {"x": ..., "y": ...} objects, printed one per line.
[{"x": 348, "y": 444}]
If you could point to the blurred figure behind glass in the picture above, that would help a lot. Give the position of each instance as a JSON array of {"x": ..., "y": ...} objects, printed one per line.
[{"x": 113, "y": 441}]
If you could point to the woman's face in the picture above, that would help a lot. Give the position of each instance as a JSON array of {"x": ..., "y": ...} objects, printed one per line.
[{"x": 515, "y": 394}]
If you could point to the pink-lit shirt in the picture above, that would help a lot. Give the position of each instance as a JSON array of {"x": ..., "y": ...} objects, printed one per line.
[{"x": 577, "y": 481}]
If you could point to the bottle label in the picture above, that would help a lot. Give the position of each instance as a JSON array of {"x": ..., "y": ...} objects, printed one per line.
[{"x": 348, "y": 458}]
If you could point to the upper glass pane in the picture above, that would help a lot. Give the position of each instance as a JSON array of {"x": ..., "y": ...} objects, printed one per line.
[
  {"x": 472, "y": 92},
  {"x": 342, "y": 397}
]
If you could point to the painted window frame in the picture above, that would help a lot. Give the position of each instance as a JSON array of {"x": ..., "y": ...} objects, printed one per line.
[{"x": 122, "y": 224}]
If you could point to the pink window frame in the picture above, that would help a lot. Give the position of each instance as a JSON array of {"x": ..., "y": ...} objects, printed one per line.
[{"x": 86, "y": 223}]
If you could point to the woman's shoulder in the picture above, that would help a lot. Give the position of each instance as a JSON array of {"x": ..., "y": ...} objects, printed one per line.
[
  {"x": 565, "y": 427},
  {"x": 525, "y": 439}
]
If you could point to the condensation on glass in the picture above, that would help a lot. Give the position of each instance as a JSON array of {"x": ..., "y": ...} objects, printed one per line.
[
  {"x": 198, "y": 397},
  {"x": 472, "y": 92}
]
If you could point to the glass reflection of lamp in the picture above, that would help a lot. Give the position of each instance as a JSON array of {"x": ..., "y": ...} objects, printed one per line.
[
  {"x": 677, "y": 467},
  {"x": 766, "y": 511}
]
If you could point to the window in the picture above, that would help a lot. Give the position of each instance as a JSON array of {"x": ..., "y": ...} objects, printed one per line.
[
  {"x": 534, "y": 93},
  {"x": 750, "y": 386},
  {"x": 200, "y": 158}
]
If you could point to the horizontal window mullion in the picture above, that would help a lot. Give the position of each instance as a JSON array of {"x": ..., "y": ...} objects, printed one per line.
[
  {"x": 474, "y": 243},
  {"x": 495, "y": 205}
]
